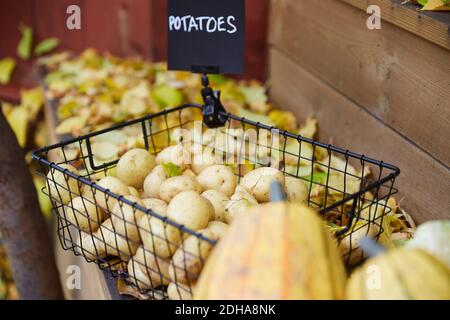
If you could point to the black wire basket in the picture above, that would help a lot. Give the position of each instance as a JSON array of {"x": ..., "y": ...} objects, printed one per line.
[{"x": 351, "y": 193}]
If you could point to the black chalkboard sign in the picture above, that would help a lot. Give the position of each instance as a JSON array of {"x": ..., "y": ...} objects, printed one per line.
[{"x": 206, "y": 36}]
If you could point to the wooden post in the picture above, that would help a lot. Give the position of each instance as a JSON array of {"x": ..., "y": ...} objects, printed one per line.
[{"x": 22, "y": 224}]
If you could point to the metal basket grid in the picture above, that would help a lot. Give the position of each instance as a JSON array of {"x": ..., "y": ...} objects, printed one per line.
[{"x": 359, "y": 210}]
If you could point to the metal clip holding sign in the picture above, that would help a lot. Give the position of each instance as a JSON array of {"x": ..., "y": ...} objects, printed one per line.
[
  {"x": 212, "y": 109},
  {"x": 207, "y": 37}
]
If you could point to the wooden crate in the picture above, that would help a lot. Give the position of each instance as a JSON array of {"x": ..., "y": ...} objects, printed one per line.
[{"x": 384, "y": 93}]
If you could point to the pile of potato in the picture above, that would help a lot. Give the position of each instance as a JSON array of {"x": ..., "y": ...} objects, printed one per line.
[{"x": 197, "y": 193}]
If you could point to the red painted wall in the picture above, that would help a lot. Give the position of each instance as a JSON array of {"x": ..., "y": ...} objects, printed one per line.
[{"x": 122, "y": 27}]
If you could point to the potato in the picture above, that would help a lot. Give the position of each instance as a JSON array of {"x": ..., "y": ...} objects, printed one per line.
[
  {"x": 178, "y": 291},
  {"x": 125, "y": 218},
  {"x": 134, "y": 166},
  {"x": 115, "y": 244},
  {"x": 159, "y": 236},
  {"x": 240, "y": 202},
  {"x": 115, "y": 186},
  {"x": 84, "y": 214},
  {"x": 265, "y": 149},
  {"x": 189, "y": 173},
  {"x": 296, "y": 190},
  {"x": 148, "y": 271},
  {"x": 134, "y": 192},
  {"x": 218, "y": 229},
  {"x": 349, "y": 246},
  {"x": 178, "y": 154},
  {"x": 156, "y": 205},
  {"x": 190, "y": 209},
  {"x": 219, "y": 202},
  {"x": 181, "y": 135},
  {"x": 218, "y": 177},
  {"x": 189, "y": 259},
  {"x": 173, "y": 186},
  {"x": 154, "y": 180},
  {"x": 138, "y": 277},
  {"x": 90, "y": 247},
  {"x": 258, "y": 182},
  {"x": 235, "y": 208},
  {"x": 61, "y": 187},
  {"x": 202, "y": 160}
]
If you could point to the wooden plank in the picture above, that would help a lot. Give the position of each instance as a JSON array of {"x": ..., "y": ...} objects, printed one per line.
[
  {"x": 432, "y": 26},
  {"x": 423, "y": 183},
  {"x": 95, "y": 283},
  {"x": 398, "y": 77}
]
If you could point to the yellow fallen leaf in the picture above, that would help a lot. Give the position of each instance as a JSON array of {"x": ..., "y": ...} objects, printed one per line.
[
  {"x": 284, "y": 120},
  {"x": 18, "y": 120},
  {"x": 44, "y": 200},
  {"x": 70, "y": 125},
  {"x": 436, "y": 5},
  {"x": 33, "y": 100},
  {"x": 6, "y": 68},
  {"x": 309, "y": 129},
  {"x": 338, "y": 165}
]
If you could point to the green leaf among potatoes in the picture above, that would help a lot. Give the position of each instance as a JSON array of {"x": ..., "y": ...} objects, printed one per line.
[
  {"x": 24, "y": 46},
  {"x": 316, "y": 178},
  {"x": 172, "y": 170},
  {"x": 7, "y": 66},
  {"x": 45, "y": 46}
]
